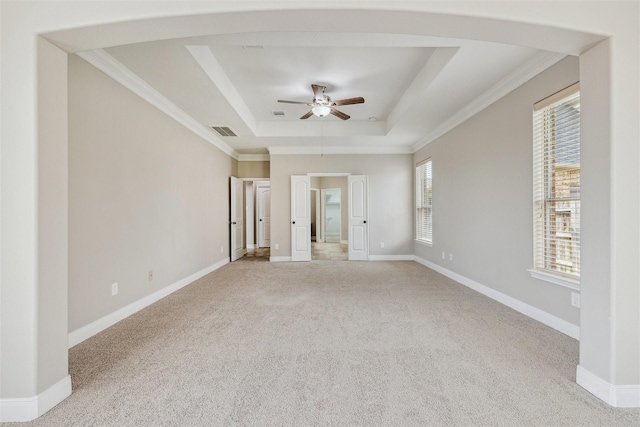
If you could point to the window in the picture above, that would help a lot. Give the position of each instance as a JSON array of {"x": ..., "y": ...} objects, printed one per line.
[
  {"x": 556, "y": 181},
  {"x": 424, "y": 202}
]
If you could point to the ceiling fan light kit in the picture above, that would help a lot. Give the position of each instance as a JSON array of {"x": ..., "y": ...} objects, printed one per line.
[
  {"x": 321, "y": 110},
  {"x": 322, "y": 106}
]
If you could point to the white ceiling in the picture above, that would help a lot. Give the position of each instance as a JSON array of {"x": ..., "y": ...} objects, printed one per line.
[{"x": 415, "y": 87}]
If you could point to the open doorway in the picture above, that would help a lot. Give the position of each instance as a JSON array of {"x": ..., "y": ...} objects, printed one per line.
[
  {"x": 355, "y": 207},
  {"x": 331, "y": 242},
  {"x": 332, "y": 215},
  {"x": 257, "y": 219}
]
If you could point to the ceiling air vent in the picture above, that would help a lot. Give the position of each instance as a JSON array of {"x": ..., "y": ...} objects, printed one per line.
[
  {"x": 223, "y": 131},
  {"x": 278, "y": 113}
]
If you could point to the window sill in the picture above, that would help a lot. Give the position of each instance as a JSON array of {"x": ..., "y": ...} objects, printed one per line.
[
  {"x": 558, "y": 280},
  {"x": 423, "y": 243}
]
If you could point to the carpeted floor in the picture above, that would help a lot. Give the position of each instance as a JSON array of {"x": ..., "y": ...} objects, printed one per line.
[{"x": 328, "y": 343}]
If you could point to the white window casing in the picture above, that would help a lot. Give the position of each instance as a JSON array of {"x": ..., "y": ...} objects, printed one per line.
[
  {"x": 556, "y": 192},
  {"x": 424, "y": 202}
]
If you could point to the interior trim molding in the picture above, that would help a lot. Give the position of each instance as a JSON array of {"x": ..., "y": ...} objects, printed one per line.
[
  {"x": 114, "y": 69},
  {"x": 535, "y": 313},
  {"x": 253, "y": 157},
  {"x": 30, "y": 408},
  {"x": 534, "y": 66},
  {"x": 556, "y": 280},
  {"x": 87, "y": 331},
  {"x": 623, "y": 396},
  {"x": 317, "y": 150}
]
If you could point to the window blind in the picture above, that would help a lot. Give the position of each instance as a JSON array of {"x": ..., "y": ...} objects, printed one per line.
[
  {"x": 424, "y": 202},
  {"x": 556, "y": 165}
]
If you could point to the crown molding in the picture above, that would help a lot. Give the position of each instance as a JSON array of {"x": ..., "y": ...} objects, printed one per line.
[
  {"x": 117, "y": 71},
  {"x": 253, "y": 157},
  {"x": 313, "y": 150},
  {"x": 534, "y": 66}
]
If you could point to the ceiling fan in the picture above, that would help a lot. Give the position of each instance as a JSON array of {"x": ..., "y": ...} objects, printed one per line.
[{"x": 322, "y": 105}]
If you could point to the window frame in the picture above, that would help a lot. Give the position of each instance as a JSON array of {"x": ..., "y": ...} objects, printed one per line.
[
  {"x": 423, "y": 235},
  {"x": 545, "y": 192}
]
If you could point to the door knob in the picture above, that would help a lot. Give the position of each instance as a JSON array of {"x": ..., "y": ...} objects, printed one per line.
[
  {"x": 260, "y": 219},
  {"x": 365, "y": 221},
  {"x": 234, "y": 223},
  {"x": 293, "y": 222}
]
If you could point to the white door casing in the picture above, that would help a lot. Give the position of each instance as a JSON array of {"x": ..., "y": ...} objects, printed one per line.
[
  {"x": 300, "y": 218},
  {"x": 250, "y": 219},
  {"x": 264, "y": 217},
  {"x": 358, "y": 186},
  {"x": 238, "y": 249},
  {"x": 315, "y": 193}
]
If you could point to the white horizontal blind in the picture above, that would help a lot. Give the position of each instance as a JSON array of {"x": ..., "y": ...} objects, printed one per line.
[
  {"x": 424, "y": 202},
  {"x": 556, "y": 166}
]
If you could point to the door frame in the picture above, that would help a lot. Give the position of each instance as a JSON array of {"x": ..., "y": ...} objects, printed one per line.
[
  {"x": 346, "y": 175},
  {"x": 323, "y": 213},
  {"x": 316, "y": 192},
  {"x": 236, "y": 220},
  {"x": 251, "y": 214}
]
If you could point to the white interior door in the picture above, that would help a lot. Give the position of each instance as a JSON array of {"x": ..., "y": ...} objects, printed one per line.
[
  {"x": 238, "y": 249},
  {"x": 358, "y": 186},
  {"x": 300, "y": 218},
  {"x": 250, "y": 215},
  {"x": 264, "y": 217}
]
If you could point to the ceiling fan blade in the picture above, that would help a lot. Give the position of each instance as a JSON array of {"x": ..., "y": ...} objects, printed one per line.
[
  {"x": 349, "y": 101},
  {"x": 306, "y": 116},
  {"x": 292, "y": 102},
  {"x": 340, "y": 114},
  {"x": 318, "y": 92}
]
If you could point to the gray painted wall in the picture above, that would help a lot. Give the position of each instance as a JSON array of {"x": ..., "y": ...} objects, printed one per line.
[
  {"x": 144, "y": 194},
  {"x": 482, "y": 196}
]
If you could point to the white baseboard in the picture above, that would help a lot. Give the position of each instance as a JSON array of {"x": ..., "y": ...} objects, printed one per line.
[
  {"x": 622, "y": 396},
  {"x": 85, "y": 332},
  {"x": 528, "y": 310},
  {"x": 30, "y": 408},
  {"x": 251, "y": 246},
  {"x": 280, "y": 259},
  {"x": 391, "y": 258},
  {"x": 344, "y": 242}
]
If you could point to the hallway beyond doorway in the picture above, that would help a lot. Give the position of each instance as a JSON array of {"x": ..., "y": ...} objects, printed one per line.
[{"x": 329, "y": 251}]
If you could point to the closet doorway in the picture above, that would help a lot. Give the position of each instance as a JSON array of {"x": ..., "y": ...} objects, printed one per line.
[{"x": 331, "y": 215}]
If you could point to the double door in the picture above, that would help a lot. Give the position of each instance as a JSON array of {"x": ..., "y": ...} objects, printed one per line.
[{"x": 301, "y": 217}]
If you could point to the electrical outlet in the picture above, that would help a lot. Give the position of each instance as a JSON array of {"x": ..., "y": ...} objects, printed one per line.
[
  {"x": 450, "y": 257},
  {"x": 221, "y": 249},
  {"x": 276, "y": 246},
  {"x": 150, "y": 275},
  {"x": 575, "y": 299},
  {"x": 114, "y": 289},
  {"x": 443, "y": 256},
  {"x": 381, "y": 245}
]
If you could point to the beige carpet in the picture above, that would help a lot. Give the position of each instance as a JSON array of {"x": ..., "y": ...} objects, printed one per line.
[{"x": 328, "y": 343}]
